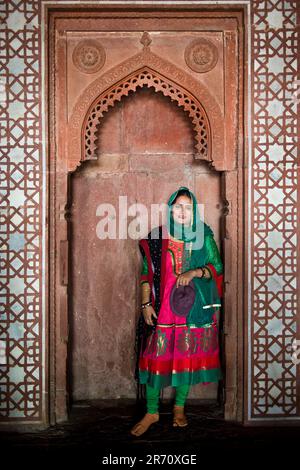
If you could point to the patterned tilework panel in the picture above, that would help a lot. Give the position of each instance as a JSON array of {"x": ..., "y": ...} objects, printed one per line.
[
  {"x": 274, "y": 257},
  {"x": 20, "y": 193},
  {"x": 274, "y": 213}
]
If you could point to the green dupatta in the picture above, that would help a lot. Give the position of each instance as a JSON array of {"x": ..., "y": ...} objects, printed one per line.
[{"x": 195, "y": 255}]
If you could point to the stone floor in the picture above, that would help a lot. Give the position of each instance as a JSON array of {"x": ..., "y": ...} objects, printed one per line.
[{"x": 99, "y": 429}]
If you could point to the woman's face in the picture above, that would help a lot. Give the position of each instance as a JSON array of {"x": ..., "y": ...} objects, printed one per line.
[{"x": 182, "y": 210}]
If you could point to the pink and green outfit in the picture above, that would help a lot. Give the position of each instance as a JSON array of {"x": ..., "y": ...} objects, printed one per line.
[{"x": 179, "y": 351}]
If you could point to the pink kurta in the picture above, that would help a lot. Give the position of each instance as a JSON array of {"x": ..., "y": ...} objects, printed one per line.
[{"x": 175, "y": 353}]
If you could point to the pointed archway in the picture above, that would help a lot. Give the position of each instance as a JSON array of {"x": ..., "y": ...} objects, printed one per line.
[{"x": 146, "y": 69}]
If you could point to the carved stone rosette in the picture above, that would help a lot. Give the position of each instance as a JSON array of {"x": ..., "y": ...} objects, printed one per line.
[
  {"x": 201, "y": 55},
  {"x": 89, "y": 56}
]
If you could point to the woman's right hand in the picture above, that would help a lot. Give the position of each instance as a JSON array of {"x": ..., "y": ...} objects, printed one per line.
[{"x": 148, "y": 312}]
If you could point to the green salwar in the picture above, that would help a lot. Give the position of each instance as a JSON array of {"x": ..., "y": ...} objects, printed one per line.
[{"x": 152, "y": 396}]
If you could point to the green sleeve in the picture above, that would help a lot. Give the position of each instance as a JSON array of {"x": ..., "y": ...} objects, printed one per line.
[
  {"x": 144, "y": 272},
  {"x": 145, "y": 266},
  {"x": 213, "y": 254}
]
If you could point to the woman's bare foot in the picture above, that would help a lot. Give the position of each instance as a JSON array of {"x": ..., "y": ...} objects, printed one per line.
[
  {"x": 179, "y": 418},
  {"x": 144, "y": 424}
]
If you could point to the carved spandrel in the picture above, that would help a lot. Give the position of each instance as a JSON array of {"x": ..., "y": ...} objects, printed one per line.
[
  {"x": 146, "y": 69},
  {"x": 147, "y": 77}
]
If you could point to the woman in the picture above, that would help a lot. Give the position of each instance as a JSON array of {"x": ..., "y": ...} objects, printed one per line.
[{"x": 177, "y": 340}]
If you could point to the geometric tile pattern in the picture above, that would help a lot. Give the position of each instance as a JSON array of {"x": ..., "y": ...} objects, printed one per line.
[
  {"x": 273, "y": 212},
  {"x": 20, "y": 161}
]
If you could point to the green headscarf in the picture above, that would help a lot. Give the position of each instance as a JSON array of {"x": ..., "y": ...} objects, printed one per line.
[{"x": 195, "y": 255}]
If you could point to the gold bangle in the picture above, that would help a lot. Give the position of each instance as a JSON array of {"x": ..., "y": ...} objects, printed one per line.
[{"x": 205, "y": 269}]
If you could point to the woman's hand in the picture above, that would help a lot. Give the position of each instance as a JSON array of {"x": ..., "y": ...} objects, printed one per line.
[
  {"x": 185, "y": 278},
  {"x": 148, "y": 312}
]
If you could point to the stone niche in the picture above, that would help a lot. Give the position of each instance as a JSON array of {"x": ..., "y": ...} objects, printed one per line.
[{"x": 139, "y": 105}]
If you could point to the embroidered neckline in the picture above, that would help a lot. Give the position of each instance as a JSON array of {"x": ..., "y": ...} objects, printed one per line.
[{"x": 176, "y": 252}]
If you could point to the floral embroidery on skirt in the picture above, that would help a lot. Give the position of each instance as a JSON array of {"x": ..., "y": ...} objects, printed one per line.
[{"x": 174, "y": 353}]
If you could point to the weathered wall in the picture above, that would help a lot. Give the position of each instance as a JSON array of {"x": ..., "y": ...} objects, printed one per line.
[
  {"x": 145, "y": 151},
  {"x": 274, "y": 180}
]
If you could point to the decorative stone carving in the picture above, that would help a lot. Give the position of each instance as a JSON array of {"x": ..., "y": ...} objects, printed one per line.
[
  {"x": 146, "y": 39},
  {"x": 201, "y": 55},
  {"x": 147, "y": 77},
  {"x": 89, "y": 56},
  {"x": 145, "y": 69}
]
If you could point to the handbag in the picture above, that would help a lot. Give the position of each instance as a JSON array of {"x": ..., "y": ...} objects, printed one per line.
[{"x": 182, "y": 299}]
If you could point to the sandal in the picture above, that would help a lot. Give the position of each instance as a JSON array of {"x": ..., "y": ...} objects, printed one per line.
[{"x": 179, "y": 418}]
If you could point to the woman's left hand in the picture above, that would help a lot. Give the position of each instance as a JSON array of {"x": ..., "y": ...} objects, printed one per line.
[{"x": 185, "y": 278}]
